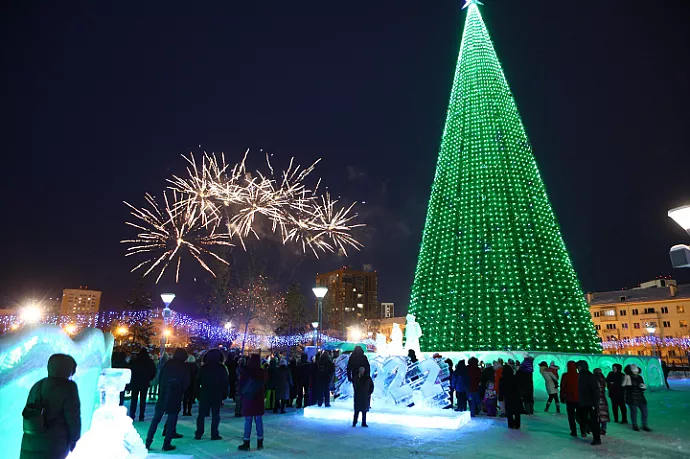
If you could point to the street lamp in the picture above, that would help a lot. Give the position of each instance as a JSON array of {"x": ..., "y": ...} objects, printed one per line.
[
  {"x": 681, "y": 215},
  {"x": 70, "y": 329},
  {"x": 680, "y": 253},
  {"x": 31, "y": 314},
  {"x": 228, "y": 325},
  {"x": 315, "y": 325},
  {"x": 651, "y": 328},
  {"x": 167, "y": 312},
  {"x": 122, "y": 331},
  {"x": 320, "y": 292}
]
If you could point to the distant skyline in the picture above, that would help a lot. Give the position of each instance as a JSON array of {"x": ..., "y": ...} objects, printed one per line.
[{"x": 104, "y": 100}]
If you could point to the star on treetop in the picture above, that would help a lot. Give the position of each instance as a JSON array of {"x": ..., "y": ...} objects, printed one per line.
[{"x": 469, "y": 2}]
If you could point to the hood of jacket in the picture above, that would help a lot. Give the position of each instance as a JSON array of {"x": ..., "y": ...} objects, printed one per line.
[
  {"x": 571, "y": 367},
  {"x": 61, "y": 366}
]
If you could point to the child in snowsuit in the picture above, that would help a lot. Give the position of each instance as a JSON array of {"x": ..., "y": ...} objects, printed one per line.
[
  {"x": 363, "y": 387},
  {"x": 490, "y": 400}
]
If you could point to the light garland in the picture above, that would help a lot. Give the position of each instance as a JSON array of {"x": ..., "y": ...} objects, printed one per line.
[
  {"x": 652, "y": 341},
  {"x": 108, "y": 320},
  {"x": 493, "y": 271}
]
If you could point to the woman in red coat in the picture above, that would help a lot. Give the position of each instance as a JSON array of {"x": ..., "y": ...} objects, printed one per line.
[{"x": 252, "y": 382}]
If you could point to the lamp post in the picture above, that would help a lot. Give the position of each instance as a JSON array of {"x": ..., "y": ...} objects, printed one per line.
[
  {"x": 319, "y": 293},
  {"x": 167, "y": 312},
  {"x": 315, "y": 326},
  {"x": 122, "y": 331},
  {"x": 680, "y": 253},
  {"x": 651, "y": 328}
]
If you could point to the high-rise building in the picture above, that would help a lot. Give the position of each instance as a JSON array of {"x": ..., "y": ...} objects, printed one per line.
[
  {"x": 80, "y": 301},
  {"x": 493, "y": 271},
  {"x": 352, "y": 297}
]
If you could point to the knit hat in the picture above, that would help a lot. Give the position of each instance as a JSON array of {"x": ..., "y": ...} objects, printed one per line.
[{"x": 543, "y": 364}]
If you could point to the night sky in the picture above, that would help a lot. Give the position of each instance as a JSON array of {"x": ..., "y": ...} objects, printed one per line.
[{"x": 102, "y": 98}]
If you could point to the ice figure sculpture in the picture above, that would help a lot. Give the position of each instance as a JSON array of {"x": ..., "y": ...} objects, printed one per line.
[
  {"x": 381, "y": 345},
  {"x": 412, "y": 333},
  {"x": 395, "y": 347},
  {"x": 24, "y": 361},
  {"x": 112, "y": 435}
]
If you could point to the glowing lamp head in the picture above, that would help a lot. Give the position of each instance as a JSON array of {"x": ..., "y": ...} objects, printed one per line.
[
  {"x": 31, "y": 314},
  {"x": 228, "y": 325},
  {"x": 315, "y": 324},
  {"x": 355, "y": 334},
  {"x": 167, "y": 332},
  {"x": 167, "y": 298},
  {"x": 681, "y": 215},
  {"x": 14, "y": 326},
  {"x": 320, "y": 291},
  {"x": 70, "y": 328},
  {"x": 122, "y": 330}
]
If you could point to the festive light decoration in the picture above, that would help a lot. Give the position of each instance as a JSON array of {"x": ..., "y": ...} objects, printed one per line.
[
  {"x": 493, "y": 271},
  {"x": 112, "y": 320},
  {"x": 216, "y": 204}
]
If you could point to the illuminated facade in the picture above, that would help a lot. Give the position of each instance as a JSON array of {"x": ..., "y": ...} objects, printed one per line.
[
  {"x": 352, "y": 297},
  {"x": 625, "y": 316},
  {"x": 80, "y": 301}
]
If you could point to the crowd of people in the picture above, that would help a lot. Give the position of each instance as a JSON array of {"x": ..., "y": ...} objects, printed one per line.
[
  {"x": 507, "y": 390},
  {"x": 176, "y": 382}
]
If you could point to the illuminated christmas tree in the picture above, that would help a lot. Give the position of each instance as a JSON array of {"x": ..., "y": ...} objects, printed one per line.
[{"x": 493, "y": 271}]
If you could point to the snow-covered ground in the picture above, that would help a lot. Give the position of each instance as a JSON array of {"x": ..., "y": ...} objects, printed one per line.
[{"x": 542, "y": 436}]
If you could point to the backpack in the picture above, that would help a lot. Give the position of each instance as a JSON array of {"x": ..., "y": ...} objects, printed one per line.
[{"x": 34, "y": 414}]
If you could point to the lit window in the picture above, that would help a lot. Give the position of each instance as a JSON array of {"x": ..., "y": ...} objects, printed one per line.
[
  {"x": 680, "y": 309},
  {"x": 683, "y": 323},
  {"x": 610, "y": 312}
]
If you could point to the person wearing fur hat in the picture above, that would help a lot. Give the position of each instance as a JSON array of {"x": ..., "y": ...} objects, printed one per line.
[
  {"x": 551, "y": 384},
  {"x": 283, "y": 384},
  {"x": 634, "y": 386},
  {"x": 174, "y": 379},
  {"x": 588, "y": 393}
]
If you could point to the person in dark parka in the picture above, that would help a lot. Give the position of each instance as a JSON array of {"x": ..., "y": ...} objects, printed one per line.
[
  {"x": 460, "y": 380},
  {"x": 283, "y": 385},
  {"x": 510, "y": 393},
  {"x": 253, "y": 404},
  {"x": 213, "y": 383},
  {"x": 119, "y": 360},
  {"x": 614, "y": 383},
  {"x": 363, "y": 387},
  {"x": 231, "y": 364},
  {"x": 293, "y": 373},
  {"x": 588, "y": 394},
  {"x": 143, "y": 372},
  {"x": 525, "y": 376},
  {"x": 59, "y": 395},
  {"x": 634, "y": 387},
  {"x": 303, "y": 377},
  {"x": 356, "y": 360},
  {"x": 324, "y": 379},
  {"x": 174, "y": 379},
  {"x": 191, "y": 392}
]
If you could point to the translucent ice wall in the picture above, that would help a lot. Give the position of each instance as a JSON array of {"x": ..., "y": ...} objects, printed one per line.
[{"x": 23, "y": 361}]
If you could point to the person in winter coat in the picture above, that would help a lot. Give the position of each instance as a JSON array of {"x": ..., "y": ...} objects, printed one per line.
[
  {"x": 119, "y": 360},
  {"x": 487, "y": 377},
  {"x": 213, "y": 386},
  {"x": 603, "y": 406},
  {"x": 190, "y": 393},
  {"x": 324, "y": 380},
  {"x": 241, "y": 368},
  {"x": 303, "y": 378},
  {"x": 363, "y": 387},
  {"x": 231, "y": 364},
  {"x": 614, "y": 382},
  {"x": 588, "y": 394},
  {"x": 665, "y": 370},
  {"x": 293, "y": 373},
  {"x": 571, "y": 397},
  {"x": 490, "y": 399},
  {"x": 357, "y": 359},
  {"x": 313, "y": 378},
  {"x": 475, "y": 376},
  {"x": 551, "y": 383},
  {"x": 524, "y": 375},
  {"x": 283, "y": 385},
  {"x": 634, "y": 386},
  {"x": 271, "y": 385},
  {"x": 143, "y": 371},
  {"x": 510, "y": 393},
  {"x": 173, "y": 380},
  {"x": 498, "y": 372},
  {"x": 251, "y": 389},
  {"x": 59, "y": 397},
  {"x": 461, "y": 383},
  {"x": 553, "y": 368}
]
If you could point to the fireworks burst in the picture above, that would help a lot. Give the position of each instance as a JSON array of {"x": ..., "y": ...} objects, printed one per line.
[{"x": 215, "y": 204}]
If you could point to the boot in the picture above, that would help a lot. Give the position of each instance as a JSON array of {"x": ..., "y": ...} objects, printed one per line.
[
  {"x": 596, "y": 441},
  {"x": 635, "y": 428},
  {"x": 169, "y": 447},
  {"x": 244, "y": 446},
  {"x": 364, "y": 419},
  {"x": 260, "y": 444},
  {"x": 354, "y": 420},
  {"x": 546, "y": 410},
  {"x": 646, "y": 429},
  {"x": 558, "y": 408}
]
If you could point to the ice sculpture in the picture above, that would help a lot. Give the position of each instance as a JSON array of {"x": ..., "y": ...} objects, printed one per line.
[
  {"x": 112, "y": 435},
  {"x": 412, "y": 333},
  {"x": 381, "y": 345},
  {"x": 395, "y": 347},
  {"x": 23, "y": 361}
]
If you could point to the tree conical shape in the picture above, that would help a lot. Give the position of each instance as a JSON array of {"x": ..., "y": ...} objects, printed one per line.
[{"x": 493, "y": 272}]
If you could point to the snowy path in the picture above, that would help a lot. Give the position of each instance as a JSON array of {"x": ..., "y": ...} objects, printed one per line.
[{"x": 543, "y": 436}]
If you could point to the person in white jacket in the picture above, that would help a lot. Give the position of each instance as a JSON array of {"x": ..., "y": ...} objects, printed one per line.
[{"x": 551, "y": 383}]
